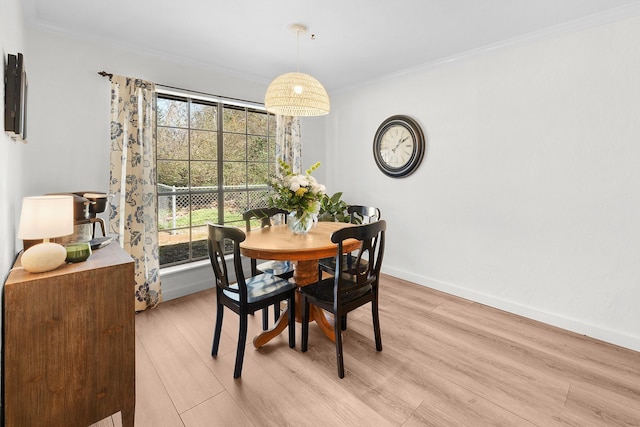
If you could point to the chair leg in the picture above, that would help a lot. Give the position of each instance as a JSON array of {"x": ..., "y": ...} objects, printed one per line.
[
  {"x": 344, "y": 323},
  {"x": 217, "y": 330},
  {"x": 254, "y": 267},
  {"x": 242, "y": 339},
  {"x": 276, "y": 312},
  {"x": 292, "y": 321},
  {"x": 338, "y": 331},
  {"x": 265, "y": 319},
  {"x": 376, "y": 324},
  {"x": 305, "y": 323}
]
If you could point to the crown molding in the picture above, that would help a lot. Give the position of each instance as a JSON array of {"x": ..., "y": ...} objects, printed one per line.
[{"x": 603, "y": 18}]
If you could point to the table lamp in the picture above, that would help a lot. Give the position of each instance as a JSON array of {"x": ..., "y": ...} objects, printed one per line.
[{"x": 45, "y": 217}]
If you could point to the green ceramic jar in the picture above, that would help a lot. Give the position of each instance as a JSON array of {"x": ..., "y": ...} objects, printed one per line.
[{"x": 77, "y": 252}]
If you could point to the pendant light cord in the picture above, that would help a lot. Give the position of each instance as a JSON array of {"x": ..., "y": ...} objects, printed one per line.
[
  {"x": 298, "y": 52},
  {"x": 298, "y": 29}
]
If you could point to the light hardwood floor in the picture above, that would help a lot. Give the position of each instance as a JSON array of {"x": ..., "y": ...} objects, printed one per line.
[{"x": 446, "y": 361}]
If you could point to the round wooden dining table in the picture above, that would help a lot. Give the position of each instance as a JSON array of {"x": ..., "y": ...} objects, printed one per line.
[{"x": 305, "y": 250}]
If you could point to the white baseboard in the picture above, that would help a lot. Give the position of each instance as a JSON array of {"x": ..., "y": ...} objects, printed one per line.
[
  {"x": 611, "y": 336},
  {"x": 191, "y": 288},
  {"x": 186, "y": 279}
]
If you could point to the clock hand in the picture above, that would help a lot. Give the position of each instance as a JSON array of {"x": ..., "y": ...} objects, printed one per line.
[{"x": 399, "y": 142}]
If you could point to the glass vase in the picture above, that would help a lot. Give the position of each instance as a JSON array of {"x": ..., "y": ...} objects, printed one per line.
[{"x": 300, "y": 224}]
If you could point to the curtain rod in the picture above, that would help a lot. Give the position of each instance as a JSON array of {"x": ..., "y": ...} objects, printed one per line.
[{"x": 110, "y": 76}]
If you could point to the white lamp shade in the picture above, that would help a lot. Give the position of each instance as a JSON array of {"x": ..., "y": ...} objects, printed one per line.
[
  {"x": 46, "y": 217},
  {"x": 296, "y": 94}
]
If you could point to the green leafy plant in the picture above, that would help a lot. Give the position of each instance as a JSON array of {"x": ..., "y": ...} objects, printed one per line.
[{"x": 333, "y": 208}]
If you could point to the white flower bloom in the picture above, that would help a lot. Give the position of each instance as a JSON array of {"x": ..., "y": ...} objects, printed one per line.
[
  {"x": 294, "y": 185},
  {"x": 298, "y": 181},
  {"x": 318, "y": 188}
]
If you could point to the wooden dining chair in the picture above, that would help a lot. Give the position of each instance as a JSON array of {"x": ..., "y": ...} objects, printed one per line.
[
  {"x": 358, "y": 214},
  {"x": 245, "y": 296},
  {"x": 347, "y": 291},
  {"x": 283, "y": 269}
]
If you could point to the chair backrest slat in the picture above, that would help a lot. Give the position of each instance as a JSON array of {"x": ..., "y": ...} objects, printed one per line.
[
  {"x": 363, "y": 214},
  {"x": 264, "y": 215},
  {"x": 219, "y": 236},
  {"x": 372, "y": 241}
]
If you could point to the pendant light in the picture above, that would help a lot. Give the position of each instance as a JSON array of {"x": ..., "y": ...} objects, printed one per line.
[{"x": 297, "y": 94}]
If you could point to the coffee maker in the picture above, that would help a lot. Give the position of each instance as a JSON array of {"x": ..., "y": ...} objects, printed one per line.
[
  {"x": 86, "y": 206},
  {"x": 97, "y": 204}
]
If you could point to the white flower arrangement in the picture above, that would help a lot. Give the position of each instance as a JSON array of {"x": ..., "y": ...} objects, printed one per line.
[{"x": 300, "y": 193}]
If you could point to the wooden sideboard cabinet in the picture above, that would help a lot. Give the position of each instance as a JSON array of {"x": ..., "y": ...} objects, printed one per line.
[{"x": 69, "y": 342}]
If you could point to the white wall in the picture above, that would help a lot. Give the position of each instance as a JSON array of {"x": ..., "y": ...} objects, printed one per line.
[
  {"x": 11, "y": 152},
  {"x": 528, "y": 196}
]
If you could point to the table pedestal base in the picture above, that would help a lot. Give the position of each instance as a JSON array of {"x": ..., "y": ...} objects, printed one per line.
[{"x": 305, "y": 273}]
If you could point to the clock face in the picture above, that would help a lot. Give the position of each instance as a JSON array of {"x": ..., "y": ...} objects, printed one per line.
[{"x": 398, "y": 146}]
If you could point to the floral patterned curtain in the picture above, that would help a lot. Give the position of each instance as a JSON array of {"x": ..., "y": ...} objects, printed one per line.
[
  {"x": 288, "y": 147},
  {"x": 132, "y": 183}
]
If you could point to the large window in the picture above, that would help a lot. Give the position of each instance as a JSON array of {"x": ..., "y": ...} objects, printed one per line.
[{"x": 214, "y": 160}]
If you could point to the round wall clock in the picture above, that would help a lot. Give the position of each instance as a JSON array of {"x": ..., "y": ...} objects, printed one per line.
[{"x": 398, "y": 146}]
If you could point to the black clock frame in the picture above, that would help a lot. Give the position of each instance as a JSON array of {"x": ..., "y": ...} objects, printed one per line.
[{"x": 418, "y": 147}]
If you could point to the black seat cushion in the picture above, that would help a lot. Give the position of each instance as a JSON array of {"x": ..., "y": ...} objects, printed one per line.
[
  {"x": 261, "y": 287},
  {"x": 323, "y": 290}
]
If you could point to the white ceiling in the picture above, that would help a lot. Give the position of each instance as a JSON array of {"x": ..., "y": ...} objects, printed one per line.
[{"x": 355, "y": 40}]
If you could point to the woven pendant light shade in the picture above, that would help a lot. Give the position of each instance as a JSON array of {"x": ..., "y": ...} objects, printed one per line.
[{"x": 296, "y": 94}]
